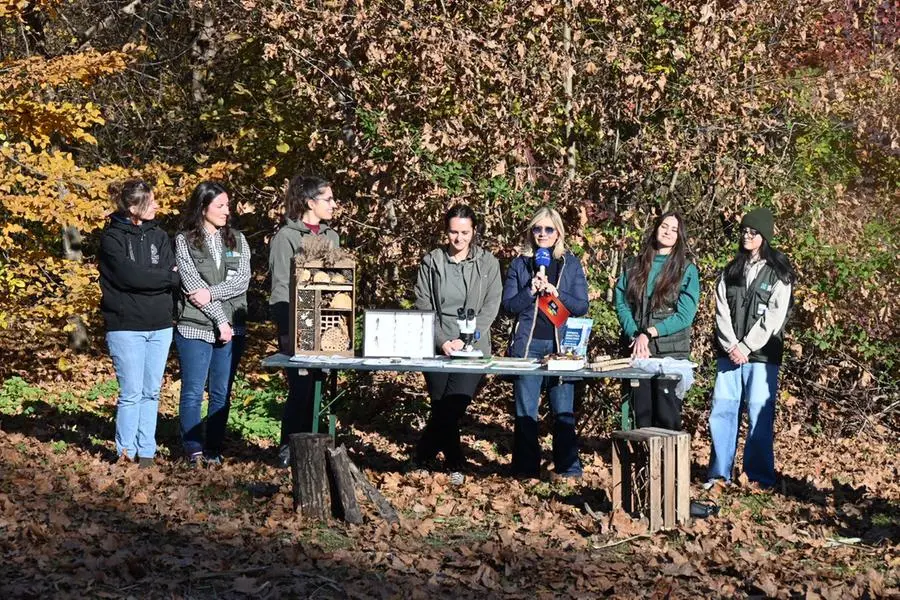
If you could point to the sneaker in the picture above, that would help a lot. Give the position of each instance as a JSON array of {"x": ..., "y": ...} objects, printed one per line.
[
  {"x": 284, "y": 457},
  {"x": 457, "y": 478},
  {"x": 711, "y": 483},
  {"x": 195, "y": 460},
  {"x": 215, "y": 460},
  {"x": 145, "y": 462}
]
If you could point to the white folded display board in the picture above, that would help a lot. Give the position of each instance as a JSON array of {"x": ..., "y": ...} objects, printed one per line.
[{"x": 401, "y": 333}]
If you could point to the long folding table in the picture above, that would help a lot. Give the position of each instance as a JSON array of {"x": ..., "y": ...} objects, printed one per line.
[{"x": 444, "y": 365}]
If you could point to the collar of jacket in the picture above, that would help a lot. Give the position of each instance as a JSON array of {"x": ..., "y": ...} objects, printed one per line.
[
  {"x": 474, "y": 252},
  {"x": 300, "y": 226},
  {"x": 121, "y": 222}
]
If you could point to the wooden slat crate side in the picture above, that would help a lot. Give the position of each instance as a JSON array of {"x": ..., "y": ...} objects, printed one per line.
[{"x": 669, "y": 481}]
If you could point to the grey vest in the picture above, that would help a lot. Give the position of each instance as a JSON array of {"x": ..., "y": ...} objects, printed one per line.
[
  {"x": 235, "y": 308},
  {"x": 676, "y": 345},
  {"x": 746, "y": 304}
]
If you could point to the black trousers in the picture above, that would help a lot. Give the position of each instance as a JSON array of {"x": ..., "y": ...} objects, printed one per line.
[
  {"x": 450, "y": 395},
  {"x": 298, "y": 409},
  {"x": 655, "y": 404}
]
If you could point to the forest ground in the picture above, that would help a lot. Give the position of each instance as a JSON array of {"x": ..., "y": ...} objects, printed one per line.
[{"x": 74, "y": 522}]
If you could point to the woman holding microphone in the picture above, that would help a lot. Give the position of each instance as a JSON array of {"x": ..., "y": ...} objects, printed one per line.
[{"x": 535, "y": 335}]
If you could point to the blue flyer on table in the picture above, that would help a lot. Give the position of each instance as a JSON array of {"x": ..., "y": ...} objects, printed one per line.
[{"x": 576, "y": 334}]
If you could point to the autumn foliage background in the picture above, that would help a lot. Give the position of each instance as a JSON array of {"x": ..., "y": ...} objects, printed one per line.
[
  {"x": 702, "y": 106},
  {"x": 706, "y": 107}
]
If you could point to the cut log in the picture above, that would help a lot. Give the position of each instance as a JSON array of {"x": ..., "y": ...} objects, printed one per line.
[
  {"x": 384, "y": 507},
  {"x": 345, "y": 504},
  {"x": 308, "y": 475}
]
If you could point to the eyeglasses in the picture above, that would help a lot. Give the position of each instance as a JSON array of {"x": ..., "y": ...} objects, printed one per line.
[
  {"x": 749, "y": 232},
  {"x": 537, "y": 230}
]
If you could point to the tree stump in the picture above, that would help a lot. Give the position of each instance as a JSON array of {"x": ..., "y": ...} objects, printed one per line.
[
  {"x": 311, "y": 495},
  {"x": 345, "y": 504}
]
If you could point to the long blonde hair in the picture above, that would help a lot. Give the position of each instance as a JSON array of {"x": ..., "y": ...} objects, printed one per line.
[{"x": 545, "y": 212}]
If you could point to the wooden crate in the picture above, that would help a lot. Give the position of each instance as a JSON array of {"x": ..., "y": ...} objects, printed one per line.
[
  {"x": 651, "y": 471},
  {"x": 310, "y": 309}
]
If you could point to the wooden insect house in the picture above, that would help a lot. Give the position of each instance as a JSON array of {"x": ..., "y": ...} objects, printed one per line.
[{"x": 323, "y": 300}]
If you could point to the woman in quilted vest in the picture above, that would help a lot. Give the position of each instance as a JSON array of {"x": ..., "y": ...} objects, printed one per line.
[
  {"x": 656, "y": 301},
  {"x": 214, "y": 262},
  {"x": 753, "y": 298}
]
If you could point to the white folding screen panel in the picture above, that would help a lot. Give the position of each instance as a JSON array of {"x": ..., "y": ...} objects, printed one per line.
[{"x": 400, "y": 333}]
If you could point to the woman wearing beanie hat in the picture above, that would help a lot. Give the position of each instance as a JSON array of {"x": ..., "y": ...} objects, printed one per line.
[{"x": 753, "y": 296}]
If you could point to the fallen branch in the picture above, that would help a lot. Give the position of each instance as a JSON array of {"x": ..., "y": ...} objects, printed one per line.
[
  {"x": 625, "y": 541},
  {"x": 384, "y": 507}
]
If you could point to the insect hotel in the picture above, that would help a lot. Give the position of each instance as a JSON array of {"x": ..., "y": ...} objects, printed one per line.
[{"x": 323, "y": 302}]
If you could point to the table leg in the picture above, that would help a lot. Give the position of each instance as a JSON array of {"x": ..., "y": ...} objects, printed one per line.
[
  {"x": 317, "y": 404},
  {"x": 626, "y": 407}
]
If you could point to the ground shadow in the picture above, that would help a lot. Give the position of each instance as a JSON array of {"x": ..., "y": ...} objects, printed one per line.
[{"x": 93, "y": 432}]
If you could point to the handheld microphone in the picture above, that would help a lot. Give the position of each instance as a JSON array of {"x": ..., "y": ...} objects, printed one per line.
[{"x": 542, "y": 260}]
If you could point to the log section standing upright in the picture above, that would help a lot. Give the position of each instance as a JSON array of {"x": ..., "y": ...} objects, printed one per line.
[{"x": 308, "y": 474}]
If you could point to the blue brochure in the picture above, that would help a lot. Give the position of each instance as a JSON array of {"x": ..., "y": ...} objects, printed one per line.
[{"x": 576, "y": 334}]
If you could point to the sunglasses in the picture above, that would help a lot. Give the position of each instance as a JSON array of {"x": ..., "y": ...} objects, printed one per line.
[
  {"x": 749, "y": 232},
  {"x": 537, "y": 230}
]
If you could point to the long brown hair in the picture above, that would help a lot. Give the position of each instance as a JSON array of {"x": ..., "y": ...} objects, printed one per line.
[
  {"x": 192, "y": 219},
  {"x": 668, "y": 283}
]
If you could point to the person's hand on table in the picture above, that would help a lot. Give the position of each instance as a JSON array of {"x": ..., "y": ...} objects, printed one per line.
[
  {"x": 640, "y": 346},
  {"x": 451, "y": 346}
]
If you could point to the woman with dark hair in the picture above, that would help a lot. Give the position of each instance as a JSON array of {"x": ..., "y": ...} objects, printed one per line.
[
  {"x": 308, "y": 204},
  {"x": 214, "y": 261},
  {"x": 536, "y": 336},
  {"x": 137, "y": 277},
  {"x": 656, "y": 300},
  {"x": 753, "y": 298},
  {"x": 459, "y": 275}
]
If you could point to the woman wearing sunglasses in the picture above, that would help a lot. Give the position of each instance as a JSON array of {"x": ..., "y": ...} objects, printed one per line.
[
  {"x": 459, "y": 275},
  {"x": 656, "y": 301},
  {"x": 536, "y": 336},
  {"x": 753, "y": 297}
]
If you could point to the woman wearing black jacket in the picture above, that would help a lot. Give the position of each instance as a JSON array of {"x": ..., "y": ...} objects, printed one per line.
[{"x": 137, "y": 277}]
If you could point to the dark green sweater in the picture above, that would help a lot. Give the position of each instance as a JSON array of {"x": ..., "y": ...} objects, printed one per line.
[{"x": 685, "y": 307}]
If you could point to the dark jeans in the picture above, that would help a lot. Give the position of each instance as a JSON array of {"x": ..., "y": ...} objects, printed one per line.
[
  {"x": 450, "y": 395},
  {"x": 527, "y": 390},
  {"x": 655, "y": 404},
  {"x": 209, "y": 366}
]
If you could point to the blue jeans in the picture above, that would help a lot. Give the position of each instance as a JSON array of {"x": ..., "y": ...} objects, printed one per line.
[
  {"x": 139, "y": 358},
  {"x": 754, "y": 385},
  {"x": 526, "y": 448},
  {"x": 210, "y": 366}
]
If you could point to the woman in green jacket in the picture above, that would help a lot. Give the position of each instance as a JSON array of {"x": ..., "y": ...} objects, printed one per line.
[
  {"x": 656, "y": 301},
  {"x": 458, "y": 275},
  {"x": 308, "y": 204}
]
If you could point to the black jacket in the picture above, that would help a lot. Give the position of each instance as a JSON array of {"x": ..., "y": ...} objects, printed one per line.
[{"x": 136, "y": 276}]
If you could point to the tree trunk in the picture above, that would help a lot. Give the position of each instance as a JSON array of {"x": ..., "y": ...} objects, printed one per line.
[
  {"x": 310, "y": 482},
  {"x": 345, "y": 503},
  {"x": 203, "y": 51}
]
